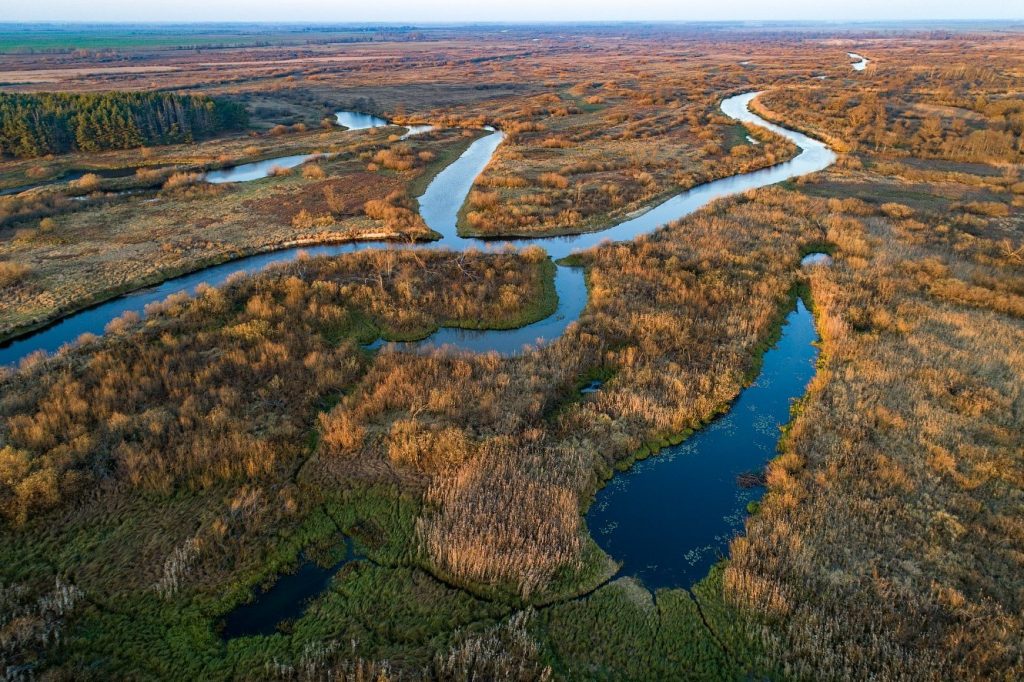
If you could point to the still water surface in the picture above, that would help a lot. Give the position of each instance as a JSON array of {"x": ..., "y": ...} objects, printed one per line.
[
  {"x": 860, "y": 62},
  {"x": 285, "y": 600},
  {"x": 669, "y": 518}
]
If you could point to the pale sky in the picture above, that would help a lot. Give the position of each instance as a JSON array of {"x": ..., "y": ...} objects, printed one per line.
[{"x": 411, "y": 11}]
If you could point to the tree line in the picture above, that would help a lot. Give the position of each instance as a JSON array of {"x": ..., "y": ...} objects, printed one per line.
[{"x": 55, "y": 123}]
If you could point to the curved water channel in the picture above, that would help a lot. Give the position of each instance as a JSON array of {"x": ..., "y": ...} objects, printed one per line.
[
  {"x": 352, "y": 120},
  {"x": 743, "y": 439},
  {"x": 861, "y": 62},
  {"x": 439, "y": 207},
  {"x": 669, "y": 518}
]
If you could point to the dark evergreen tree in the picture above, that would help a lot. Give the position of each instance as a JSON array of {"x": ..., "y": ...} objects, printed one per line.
[{"x": 55, "y": 123}]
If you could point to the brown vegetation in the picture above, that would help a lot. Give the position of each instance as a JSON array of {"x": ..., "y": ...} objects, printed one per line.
[
  {"x": 893, "y": 495},
  {"x": 889, "y": 543},
  {"x": 568, "y": 169},
  {"x": 100, "y": 247},
  {"x": 167, "y": 422}
]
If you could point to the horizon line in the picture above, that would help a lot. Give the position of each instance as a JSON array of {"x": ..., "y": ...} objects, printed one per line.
[{"x": 498, "y": 22}]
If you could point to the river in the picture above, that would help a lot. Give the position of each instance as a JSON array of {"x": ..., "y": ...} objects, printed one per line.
[
  {"x": 667, "y": 519},
  {"x": 439, "y": 206}
]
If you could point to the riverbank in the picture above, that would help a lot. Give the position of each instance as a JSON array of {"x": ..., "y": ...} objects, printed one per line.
[{"x": 187, "y": 230}]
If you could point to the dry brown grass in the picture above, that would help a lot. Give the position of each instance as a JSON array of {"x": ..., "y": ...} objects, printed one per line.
[
  {"x": 166, "y": 416},
  {"x": 12, "y": 274},
  {"x": 900, "y": 480},
  {"x": 889, "y": 544}
]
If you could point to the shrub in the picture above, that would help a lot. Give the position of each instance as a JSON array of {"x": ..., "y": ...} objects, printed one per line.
[
  {"x": 553, "y": 180},
  {"x": 898, "y": 211},
  {"x": 991, "y": 209},
  {"x": 12, "y": 273},
  {"x": 313, "y": 171},
  {"x": 90, "y": 182},
  {"x": 182, "y": 180}
]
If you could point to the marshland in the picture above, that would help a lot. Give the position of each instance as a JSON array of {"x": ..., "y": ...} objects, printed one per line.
[{"x": 709, "y": 409}]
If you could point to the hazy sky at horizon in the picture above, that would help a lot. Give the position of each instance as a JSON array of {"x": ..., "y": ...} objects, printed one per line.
[{"x": 503, "y": 10}]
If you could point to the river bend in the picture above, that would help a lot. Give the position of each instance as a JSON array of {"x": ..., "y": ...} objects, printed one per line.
[{"x": 439, "y": 207}]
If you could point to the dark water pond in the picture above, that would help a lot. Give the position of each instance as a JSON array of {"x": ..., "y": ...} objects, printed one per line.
[
  {"x": 669, "y": 518},
  {"x": 287, "y": 599}
]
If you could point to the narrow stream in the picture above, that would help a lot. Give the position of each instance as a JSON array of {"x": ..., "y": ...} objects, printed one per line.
[
  {"x": 669, "y": 518},
  {"x": 860, "y": 62},
  {"x": 256, "y": 170},
  {"x": 286, "y": 599},
  {"x": 246, "y": 172}
]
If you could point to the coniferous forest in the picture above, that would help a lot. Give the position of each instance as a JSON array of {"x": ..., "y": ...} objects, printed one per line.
[{"x": 54, "y": 123}]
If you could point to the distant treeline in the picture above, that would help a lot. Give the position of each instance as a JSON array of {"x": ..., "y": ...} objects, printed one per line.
[{"x": 54, "y": 123}]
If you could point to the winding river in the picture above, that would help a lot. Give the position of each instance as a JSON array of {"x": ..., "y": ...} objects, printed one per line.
[
  {"x": 691, "y": 488},
  {"x": 439, "y": 206},
  {"x": 667, "y": 519},
  {"x": 352, "y": 120}
]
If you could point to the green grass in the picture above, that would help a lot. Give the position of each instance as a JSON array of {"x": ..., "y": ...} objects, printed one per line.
[
  {"x": 53, "y": 38},
  {"x": 736, "y": 135},
  {"x": 623, "y": 632},
  {"x": 385, "y": 607}
]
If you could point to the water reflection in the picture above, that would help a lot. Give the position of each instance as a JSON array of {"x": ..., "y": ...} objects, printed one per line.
[
  {"x": 355, "y": 120},
  {"x": 256, "y": 170},
  {"x": 812, "y": 259},
  {"x": 860, "y": 64},
  {"x": 670, "y": 518}
]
